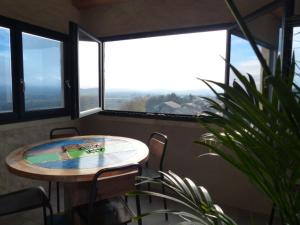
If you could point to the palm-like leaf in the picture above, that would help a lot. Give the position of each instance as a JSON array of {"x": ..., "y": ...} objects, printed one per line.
[
  {"x": 200, "y": 208},
  {"x": 261, "y": 132}
]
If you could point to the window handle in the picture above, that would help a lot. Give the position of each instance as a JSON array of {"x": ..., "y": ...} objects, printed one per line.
[
  {"x": 22, "y": 84},
  {"x": 67, "y": 82}
]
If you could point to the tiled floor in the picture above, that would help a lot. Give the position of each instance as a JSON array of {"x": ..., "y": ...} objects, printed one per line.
[{"x": 34, "y": 217}]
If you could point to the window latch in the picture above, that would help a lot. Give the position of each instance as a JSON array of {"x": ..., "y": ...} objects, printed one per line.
[
  {"x": 67, "y": 82},
  {"x": 22, "y": 85}
]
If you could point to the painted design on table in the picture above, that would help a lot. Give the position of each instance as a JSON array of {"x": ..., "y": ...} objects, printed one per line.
[{"x": 83, "y": 153}]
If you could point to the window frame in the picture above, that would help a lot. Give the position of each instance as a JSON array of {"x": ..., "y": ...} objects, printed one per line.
[
  {"x": 225, "y": 26},
  {"x": 163, "y": 116},
  {"x": 75, "y": 30},
  {"x": 8, "y": 116},
  {"x": 19, "y": 114}
]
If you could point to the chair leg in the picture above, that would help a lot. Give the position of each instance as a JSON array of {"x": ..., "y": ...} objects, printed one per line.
[
  {"x": 49, "y": 189},
  {"x": 44, "y": 215},
  {"x": 138, "y": 208},
  {"x": 51, "y": 214},
  {"x": 57, "y": 197},
  {"x": 149, "y": 188},
  {"x": 272, "y": 215},
  {"x": 165, "y": 202}
]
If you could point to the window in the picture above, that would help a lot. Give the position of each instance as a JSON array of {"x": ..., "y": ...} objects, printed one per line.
[
  {"x": 159, "y": 74},
  {"x": 86, "y": 73},
  {"x": 296, "y": 50},
  {"x": 244, "y": 59},
  {"x": 88, "y": 52},
  {"x": 32, "y": 72},
  {"x": 6, "y": 99},
  {"x": 43, "y": 72}
]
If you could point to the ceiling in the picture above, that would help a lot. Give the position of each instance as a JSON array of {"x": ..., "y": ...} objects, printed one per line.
[
  {"x": 86, "y": 4},
  {"x": 119, "y": 17},
  {"x": 243, "y": 4}
]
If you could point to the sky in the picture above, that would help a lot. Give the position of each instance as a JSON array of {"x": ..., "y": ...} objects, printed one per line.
[
  {"x": 165, "y": 63},
  {"x": 5, "y": 71},
  {"x": 244, "y": 59},
  {"x": 42, "y": 61},
  {"x": 42, "y": 65},
  {"x": 88, "y": 60}
]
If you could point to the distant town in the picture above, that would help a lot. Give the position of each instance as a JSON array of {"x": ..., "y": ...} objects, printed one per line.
[
  {"x": 185, "y": 104},
  {"x": 172, "y": 103}
]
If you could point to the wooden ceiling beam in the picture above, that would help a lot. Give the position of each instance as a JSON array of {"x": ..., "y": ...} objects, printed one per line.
[{"x": 85, "y": 4}]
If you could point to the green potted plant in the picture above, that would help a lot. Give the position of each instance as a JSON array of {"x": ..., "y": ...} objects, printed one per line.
[{"x": 261, "y": 134}]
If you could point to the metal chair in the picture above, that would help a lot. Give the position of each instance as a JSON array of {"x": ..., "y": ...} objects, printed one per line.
[
  {"x": 157, "y": 144},
  {"x": 26, "y": 199},
  {"x": 62, "y": 132},
  {"x": 106, "y": 206}
]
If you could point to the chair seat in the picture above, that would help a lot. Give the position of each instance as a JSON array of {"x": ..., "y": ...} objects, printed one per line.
[
  {"x": 25, "y": 199},
  {"x": 112, "y": 211},
  {"x": 147, "y": 172}
]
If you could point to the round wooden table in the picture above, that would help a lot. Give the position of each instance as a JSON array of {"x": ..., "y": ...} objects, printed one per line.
[{"x": 75, "y": 159}]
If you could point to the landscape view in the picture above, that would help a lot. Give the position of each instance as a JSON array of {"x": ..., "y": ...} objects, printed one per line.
[
  {"x": 159, "y": 74},
  {"x": 137, "y": 79},
  {"x": 163, "y": 103}
]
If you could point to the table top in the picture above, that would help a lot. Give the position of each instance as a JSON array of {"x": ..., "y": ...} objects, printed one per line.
[{"x": 75, "y": 159}]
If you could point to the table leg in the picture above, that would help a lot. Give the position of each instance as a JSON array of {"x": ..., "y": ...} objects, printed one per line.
[{"x": 70, "y": 193}]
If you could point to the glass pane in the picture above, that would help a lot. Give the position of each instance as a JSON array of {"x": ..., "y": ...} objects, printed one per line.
[
  {"x": 6, "y": 102},
  {"x": 159, "y": 74},
  {"x": 43, "y": 73},
  {"x": 296, "y": 50},
  {"x": 88, "y": 63},
  {"x": 244, "y": 59}
]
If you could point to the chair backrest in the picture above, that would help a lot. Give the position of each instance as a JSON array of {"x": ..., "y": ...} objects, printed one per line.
[
  {"x": 157, "y": 144},
  {"x": 63, "y": 132},
  {"x": 111, "y": 182},
  {"x": 22, "y": 200},
  {"x": 114, "y": 181}
]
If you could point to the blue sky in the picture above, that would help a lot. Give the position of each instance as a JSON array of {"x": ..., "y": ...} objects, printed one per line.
[
  {"x": 42, "y": 60},
  {"x": 244, "y": 59},
  {"x": 5, "y": 55},
  {"x": 190, "y": 56},
  {"x": 125, "y": 60}
]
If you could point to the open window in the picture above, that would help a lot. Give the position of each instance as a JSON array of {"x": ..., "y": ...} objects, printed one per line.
[{"x": 86, "y": 72}]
